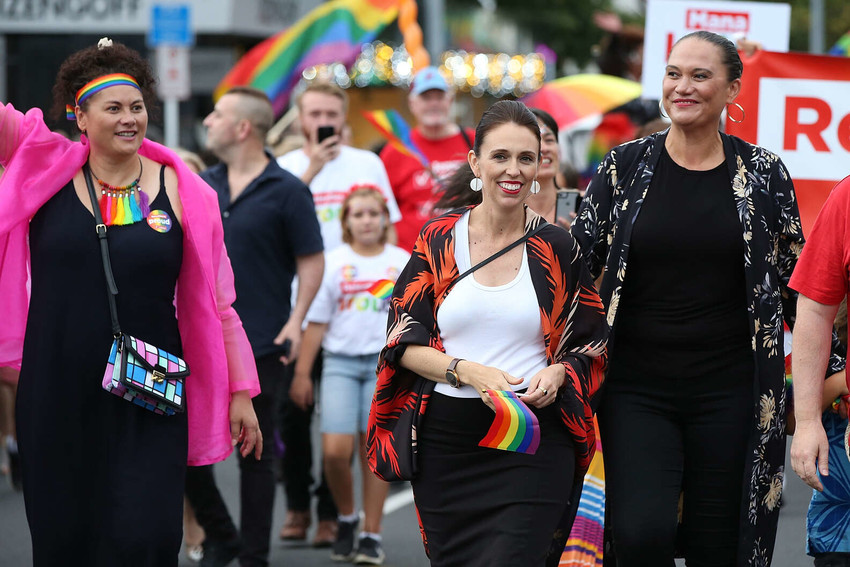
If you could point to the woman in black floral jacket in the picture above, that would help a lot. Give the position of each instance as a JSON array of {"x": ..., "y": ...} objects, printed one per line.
[{"x": 707, "y": 228}]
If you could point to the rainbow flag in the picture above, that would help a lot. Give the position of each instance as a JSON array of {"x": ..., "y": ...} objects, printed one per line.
[
  {"x": 393, "y": 127},
  {"x": 842, "y": 46},
  {"x": 515, "y": 427},
  {"x": 382, "y": 289},
  {"x": 332, "y": 32}
]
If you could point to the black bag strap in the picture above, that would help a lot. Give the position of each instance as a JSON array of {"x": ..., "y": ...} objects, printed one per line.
[
  {"x": 100, "y": 228},
  {"x": 466, "y": 137},
  {"x": 510, "y": 246}
]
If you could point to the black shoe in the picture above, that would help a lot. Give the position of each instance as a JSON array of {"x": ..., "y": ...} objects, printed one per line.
[
  {"x": 369, "y": 552},
  {"x": 343, "y": 549},
  {"x": 15, "y": 471},
  {"x": 220, "y": 553}
]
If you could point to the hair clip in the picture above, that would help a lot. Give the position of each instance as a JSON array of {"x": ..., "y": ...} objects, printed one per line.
[{"x": 104, "y": 42}]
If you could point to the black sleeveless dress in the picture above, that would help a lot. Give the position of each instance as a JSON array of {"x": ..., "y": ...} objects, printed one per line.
[{"x": 103, "y": 478}]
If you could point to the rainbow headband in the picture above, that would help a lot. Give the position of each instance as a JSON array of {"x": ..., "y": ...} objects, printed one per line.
[{"x": 97, "y": 85}]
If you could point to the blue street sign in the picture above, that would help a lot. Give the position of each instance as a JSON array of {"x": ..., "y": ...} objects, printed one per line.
[{"x": 171, "y": 24}]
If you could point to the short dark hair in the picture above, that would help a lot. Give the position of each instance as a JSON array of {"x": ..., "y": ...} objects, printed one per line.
[
  {"x": 728, "y": 52},
  {"x": 93, "y": 62},
  {"x": 505, "y": 112},
  {"x": 257, "y": 108}
]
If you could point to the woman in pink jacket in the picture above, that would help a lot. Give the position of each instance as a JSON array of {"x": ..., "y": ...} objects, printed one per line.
[{"x": 103, "y": 478}]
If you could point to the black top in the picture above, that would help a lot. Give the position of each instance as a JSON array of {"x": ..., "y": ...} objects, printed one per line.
[
  {"x": 686, "y": 264},
  {"x": 270, "y": 223}
]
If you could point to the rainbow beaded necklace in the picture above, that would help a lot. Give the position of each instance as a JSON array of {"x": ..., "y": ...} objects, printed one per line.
[{"x": 122, "y": 205}]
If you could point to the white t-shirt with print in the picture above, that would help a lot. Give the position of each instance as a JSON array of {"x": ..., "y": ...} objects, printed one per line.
[
  {"x": 330, "y": 186},
  {"x": 354, "y": 298}
]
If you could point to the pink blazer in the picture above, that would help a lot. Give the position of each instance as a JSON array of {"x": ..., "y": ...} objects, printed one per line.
[{"x": 38, "y": 164}]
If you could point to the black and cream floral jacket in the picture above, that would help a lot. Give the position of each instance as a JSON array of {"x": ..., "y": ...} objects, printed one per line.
[{"x": 773, "y": 238}]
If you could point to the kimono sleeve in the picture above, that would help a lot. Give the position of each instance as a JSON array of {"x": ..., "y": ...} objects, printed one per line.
[{"x": 593, "y": 225}]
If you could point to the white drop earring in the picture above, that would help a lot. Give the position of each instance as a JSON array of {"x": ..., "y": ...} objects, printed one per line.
[
  {"x": 476, "y": 184},
  {"x": 535, "y": 187}
]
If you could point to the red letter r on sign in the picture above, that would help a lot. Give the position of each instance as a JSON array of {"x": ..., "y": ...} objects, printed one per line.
[{"x": 793, "y": 127}]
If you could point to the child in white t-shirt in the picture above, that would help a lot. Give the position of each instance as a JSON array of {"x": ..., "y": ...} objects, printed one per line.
[{"x": 348, "y": 319}]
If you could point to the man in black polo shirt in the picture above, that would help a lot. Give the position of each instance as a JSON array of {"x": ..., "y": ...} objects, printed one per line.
[{"x": 272, "y": 234}]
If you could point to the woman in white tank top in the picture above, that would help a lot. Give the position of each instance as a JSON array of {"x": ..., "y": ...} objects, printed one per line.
[{"x": 528, "y": 321}]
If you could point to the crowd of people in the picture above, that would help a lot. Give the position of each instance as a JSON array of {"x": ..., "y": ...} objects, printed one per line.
[{"x": 415, "y": 304}]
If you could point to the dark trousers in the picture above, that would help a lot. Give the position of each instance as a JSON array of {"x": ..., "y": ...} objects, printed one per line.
[
  {"x": 297, "y": 462},
  {"x": 257, "y": 479},
  {"x": 837, "y": 559},
  {"x": 665, "y": 436}
]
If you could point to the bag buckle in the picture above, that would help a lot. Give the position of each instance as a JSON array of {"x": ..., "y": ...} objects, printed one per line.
[{"x": 158, "y": 376}]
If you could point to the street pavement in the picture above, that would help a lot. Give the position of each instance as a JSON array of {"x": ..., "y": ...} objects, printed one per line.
[{"x": 402, "y": 543}]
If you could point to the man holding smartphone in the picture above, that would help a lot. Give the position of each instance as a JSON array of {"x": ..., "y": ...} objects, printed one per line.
[{"x": 330, "y": 167}]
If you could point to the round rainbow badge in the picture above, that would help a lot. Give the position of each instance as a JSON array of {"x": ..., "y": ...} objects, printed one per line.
[{"x": 159, "y": 220}]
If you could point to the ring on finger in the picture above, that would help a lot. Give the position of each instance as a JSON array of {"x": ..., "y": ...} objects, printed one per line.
[{"x": 544, "y": 390}]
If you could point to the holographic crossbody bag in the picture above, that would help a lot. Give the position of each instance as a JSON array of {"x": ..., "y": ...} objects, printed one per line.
[{"x": 137, "y": 371}]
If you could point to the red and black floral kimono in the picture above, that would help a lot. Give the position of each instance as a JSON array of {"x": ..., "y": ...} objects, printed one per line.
[{"x": 574, "y": 329}]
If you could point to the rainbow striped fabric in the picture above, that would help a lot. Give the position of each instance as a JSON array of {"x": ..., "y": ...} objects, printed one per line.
[
  {"x": 382, "y": 289},
  {"x": 332, "y": 32},
  {"x": 515, "y": 427},
  {"x": 393, "y": 127},
  {"x": 585, "y": 545},
  {"x": 842, "y": 46},
  {"x": 104, "y": 82}
]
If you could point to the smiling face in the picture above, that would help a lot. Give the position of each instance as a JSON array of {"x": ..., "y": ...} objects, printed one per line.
[
  {"x": 696, "y": 86},
  {"x": 550, "y": 154},
  {"x": 115, "y": 120},
  {"x": 507, "y": 164}
]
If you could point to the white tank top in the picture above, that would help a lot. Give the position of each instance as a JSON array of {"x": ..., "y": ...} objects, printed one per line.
[{"x": 497, "y": 326}]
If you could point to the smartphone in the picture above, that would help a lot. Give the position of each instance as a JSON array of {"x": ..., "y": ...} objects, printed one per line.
[
  {"x": 567, "y": 201},
  {"x": 285, "y": 347},
  {"x": 324, "y": 132}
]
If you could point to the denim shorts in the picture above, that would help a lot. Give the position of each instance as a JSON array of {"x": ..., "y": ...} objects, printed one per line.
[{"x": 348, "y": 383}]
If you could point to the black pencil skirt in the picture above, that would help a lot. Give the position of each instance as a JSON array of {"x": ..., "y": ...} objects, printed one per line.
[{"x": 488, "y": 507}]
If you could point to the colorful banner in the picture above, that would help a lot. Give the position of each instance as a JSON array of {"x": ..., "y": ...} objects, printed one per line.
[{"x": 796, "y": 105}]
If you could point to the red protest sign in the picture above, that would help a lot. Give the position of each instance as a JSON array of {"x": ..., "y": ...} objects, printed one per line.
[{"x": 797, "y": 105}]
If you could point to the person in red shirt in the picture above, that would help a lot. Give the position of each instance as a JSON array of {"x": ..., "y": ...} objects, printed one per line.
[{"x": 444, "y": 144}]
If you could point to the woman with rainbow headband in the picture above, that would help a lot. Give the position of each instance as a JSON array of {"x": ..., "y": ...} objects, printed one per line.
[
  {"x": 523, "y": 335},
  {"x": 348, "y": 319},
  {"x": 102, "y": 478}
]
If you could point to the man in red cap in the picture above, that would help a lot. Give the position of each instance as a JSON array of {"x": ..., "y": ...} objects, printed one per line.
[{"x": 444, "y": 144}]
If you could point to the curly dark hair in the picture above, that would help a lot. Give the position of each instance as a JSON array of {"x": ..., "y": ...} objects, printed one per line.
[{"x": 92, "y": 62}]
